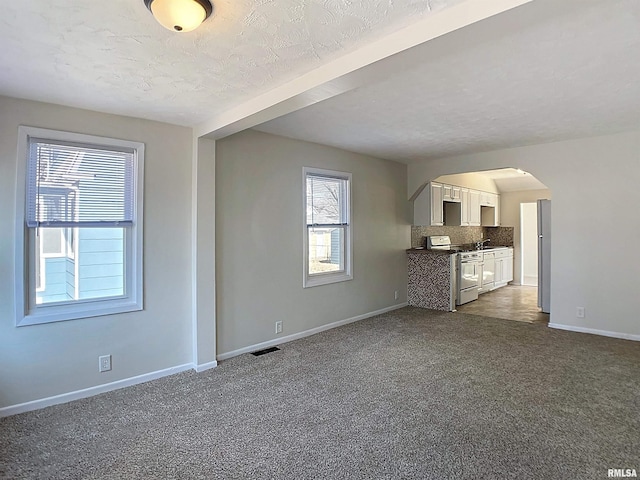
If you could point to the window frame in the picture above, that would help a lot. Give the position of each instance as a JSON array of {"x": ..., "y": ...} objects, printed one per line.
[
  {"x": 325, "y": 278},
  {"x": 27, "y": 312}
]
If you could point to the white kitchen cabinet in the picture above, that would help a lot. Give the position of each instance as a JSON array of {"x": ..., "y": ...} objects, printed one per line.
[
  {"x": 464, "y": 207},
  {"x": 508, "y": 268},
  {"x": 489, "y": 265},
  {"x": 488, "y": 199},
  {"x": 428, "y": 206},
  {"x": 490, "y": 209},
  {"x": 446, "y": 192},
  {"x": 437, "y": 207},
  {"x": 451, "y": 193},
  {"x": 498, "y": 282},
  {"x": 503, "y": 267},
  {"x": 474, "y": 208}
]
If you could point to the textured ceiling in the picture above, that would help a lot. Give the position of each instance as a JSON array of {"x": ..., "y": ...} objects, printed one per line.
[
  {"x": 112, "y": 56},
  {"x": 544, "y": 72}
]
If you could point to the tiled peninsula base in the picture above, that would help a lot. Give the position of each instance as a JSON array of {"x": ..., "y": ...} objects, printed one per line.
[{"x": 430, "y": 276}]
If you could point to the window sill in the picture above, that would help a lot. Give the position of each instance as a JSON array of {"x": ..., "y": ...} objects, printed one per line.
[
  {"x": 61, "y": 313},
  {"x": 325, "y": 279}
]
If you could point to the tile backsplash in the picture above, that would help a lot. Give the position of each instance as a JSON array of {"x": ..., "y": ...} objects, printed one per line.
[
  {"x": 500, "y": 236},
  {"x": 463, "y": 235}
]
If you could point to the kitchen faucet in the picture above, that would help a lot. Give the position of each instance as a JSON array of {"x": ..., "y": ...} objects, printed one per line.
[{"x": 480, "y": 243}]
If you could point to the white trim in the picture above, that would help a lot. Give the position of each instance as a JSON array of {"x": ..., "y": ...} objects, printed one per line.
[
  {"x": 315, "y": 280},
  {"x": 91, "y": 391},
  {"x": 595, "y": 331},
  {"x": 27, "y": 312},
  {"x": 194, "y": 250},
  {"x": 306, "y": 333},
  {"x": 205, "y": 366}
]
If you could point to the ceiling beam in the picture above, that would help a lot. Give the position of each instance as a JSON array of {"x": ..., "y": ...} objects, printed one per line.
[{"x": 350, "y": 71}]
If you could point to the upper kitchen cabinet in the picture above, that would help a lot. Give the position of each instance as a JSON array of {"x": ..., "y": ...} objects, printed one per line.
[
  {"x": 440, "y": 204},
  {"x": 464, "y": 207},
  {"x": 474, "y": 208},
  {"x": 490, "y": 209},
  {"x": 488, "y": 199},
  {"x": 469, "y": 208},
  {"x": 428, "y": 207},
  {"x": 451, "y": 193},
  {"x": 437, "y": 206}
]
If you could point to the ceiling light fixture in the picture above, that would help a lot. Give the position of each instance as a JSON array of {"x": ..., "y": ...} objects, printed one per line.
[{"x": 180, "y": 15}]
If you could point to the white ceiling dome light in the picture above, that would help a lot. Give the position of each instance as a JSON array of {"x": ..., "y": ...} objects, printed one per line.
[{"x": 180, "y": 15}]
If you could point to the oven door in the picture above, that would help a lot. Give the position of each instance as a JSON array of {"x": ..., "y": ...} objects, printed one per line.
[{"x": 469, "y": 274}]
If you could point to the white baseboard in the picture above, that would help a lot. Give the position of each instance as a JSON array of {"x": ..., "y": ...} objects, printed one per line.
[
  {"x": 306, "y": 333},
  {"x": 91, "y": 391},
  {"x": 205, "y": 366},
  {"x": 127, "y": 382},
  {"x": 594, "y": 331}
]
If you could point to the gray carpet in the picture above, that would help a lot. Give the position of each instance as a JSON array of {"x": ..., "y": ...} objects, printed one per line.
[{"x": 409, "y": 394}]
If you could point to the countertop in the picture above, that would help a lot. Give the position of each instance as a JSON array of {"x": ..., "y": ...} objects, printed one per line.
[
  {"x": 431, "y": 252},
  {"x": 454, "y": 251}
]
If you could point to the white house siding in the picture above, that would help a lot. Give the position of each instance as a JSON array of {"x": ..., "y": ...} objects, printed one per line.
[
  {"x": 55, "y": 280},
  {"x": 100, "y": 262}
]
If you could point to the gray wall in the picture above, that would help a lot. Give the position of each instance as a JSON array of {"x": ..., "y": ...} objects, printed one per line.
[
  {"x": 44, "y": 360},
  {"x": 594, "y": 182},
  {"x": 259, "y": 225}
]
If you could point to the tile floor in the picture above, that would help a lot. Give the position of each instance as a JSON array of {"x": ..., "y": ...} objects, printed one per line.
[{"x": 513, "y": 302}]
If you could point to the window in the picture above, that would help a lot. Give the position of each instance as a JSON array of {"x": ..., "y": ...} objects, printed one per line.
[
  {"x": 327, "y": 233},
  {"x": 79, "y": 226}
]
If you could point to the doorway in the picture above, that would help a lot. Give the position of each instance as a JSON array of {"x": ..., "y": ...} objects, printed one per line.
[{"x": 529, "y": 244}]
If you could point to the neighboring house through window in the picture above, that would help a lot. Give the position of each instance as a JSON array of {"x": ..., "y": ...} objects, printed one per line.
[
  {"x": 79, "y": 226},
  {"x": 327, "y": 233}
]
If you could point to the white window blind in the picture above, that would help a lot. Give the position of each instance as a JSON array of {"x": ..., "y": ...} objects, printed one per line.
[
  {"x": 326, "y": 203},
  {"x": 71, "y": 185}
]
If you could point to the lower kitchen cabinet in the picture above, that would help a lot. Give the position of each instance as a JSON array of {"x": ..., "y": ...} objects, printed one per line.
[{"x": 503, "y": 267}]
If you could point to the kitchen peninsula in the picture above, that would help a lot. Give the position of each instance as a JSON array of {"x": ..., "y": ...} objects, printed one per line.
[
  {"x": 430, "y": 279},
  {"x": 444, "y": 274}
]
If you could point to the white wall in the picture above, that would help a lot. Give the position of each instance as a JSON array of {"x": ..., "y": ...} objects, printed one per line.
[
  {"x": 510, "y": 217},
  {"x": 259, "y": 225},
  {"x": 595, "y": 191},
  {"x": 528, "y": 244},
  {"x": 45, "y": 360}
]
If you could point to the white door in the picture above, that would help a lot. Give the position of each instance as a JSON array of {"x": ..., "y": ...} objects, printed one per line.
[{"x": 544, "y": 255}]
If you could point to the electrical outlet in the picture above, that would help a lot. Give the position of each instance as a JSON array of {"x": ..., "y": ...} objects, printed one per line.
[
  {"x": 104, "y": 363},
  {"x": 279, "y": 327},
  {"x": 580, "y": 312},
  {"x": 395, "y": 294}
]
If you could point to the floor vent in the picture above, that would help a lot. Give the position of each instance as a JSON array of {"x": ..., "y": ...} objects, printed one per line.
[{"x": 266, "y": 350}]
